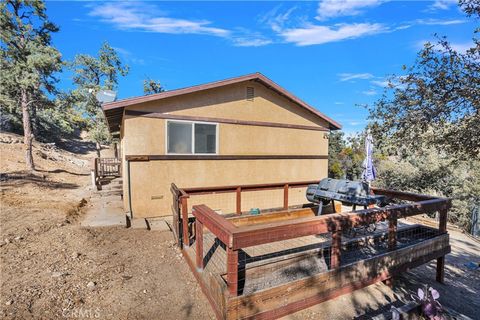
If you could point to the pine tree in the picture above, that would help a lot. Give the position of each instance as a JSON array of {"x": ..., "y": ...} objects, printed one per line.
[
  {"x": 151, "y": 86},
  {"x": 93, "y": 74},
  {"x": 28, "y": 62}
]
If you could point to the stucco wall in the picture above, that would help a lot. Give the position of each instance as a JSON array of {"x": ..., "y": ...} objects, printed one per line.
[
  {"x": 150, "y": 181},
  {"x": 229, "y": 102},
  {"x": 146, "y": 136}
]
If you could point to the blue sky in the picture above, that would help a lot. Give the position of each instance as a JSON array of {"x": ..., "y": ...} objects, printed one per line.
[{"x": 335, "y": 55}]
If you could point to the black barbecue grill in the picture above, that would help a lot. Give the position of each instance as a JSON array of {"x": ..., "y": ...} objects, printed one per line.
[{"x": 348, "y": 192}]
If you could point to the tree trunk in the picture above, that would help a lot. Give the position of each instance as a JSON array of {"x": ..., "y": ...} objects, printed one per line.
[
  {"x": 27, "y": 131},
  {"x": 34, "y": 121},
  {"x": 98, "y": 147}
]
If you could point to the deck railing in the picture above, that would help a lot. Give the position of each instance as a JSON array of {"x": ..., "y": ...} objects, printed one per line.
[
  {"x": 235, "y": 238},
  {"x": 182, "y": 195},
  {"x": 105, "y": 168}
]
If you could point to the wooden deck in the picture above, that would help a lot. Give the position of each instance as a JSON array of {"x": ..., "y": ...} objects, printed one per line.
[
  {"x": 270, "y": 265},
  {"x": 273, "y": 264},
  {"x": 303, "y": 265}
]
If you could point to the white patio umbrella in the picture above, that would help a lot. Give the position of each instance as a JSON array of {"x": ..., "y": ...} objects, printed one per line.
[{"x": 369, "y": 172}]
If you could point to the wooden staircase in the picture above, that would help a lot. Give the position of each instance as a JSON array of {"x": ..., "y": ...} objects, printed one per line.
[{"x": 111, "y": 187}]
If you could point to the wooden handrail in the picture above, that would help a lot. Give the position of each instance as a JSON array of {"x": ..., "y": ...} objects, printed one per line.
[
  {"x": 178, "y": 191},
  {"x": 217, "y": 224},
  {"x": 247, "y": 236},
  {"x": 236, "y": 238},
  {"x": 247, "y": 187},
  {"x": 104, "y": 167},
  {"x": 402, "y": 195},
  {"x": 181, "y": 196}
]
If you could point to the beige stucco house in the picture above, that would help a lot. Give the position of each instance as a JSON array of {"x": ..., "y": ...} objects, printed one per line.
[{"x": 243, "y": 130}]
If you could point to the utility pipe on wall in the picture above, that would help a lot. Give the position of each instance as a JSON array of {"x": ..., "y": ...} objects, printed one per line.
[{"x": 129, "y": 190}]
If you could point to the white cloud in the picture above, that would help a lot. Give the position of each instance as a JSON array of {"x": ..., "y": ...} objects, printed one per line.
[
  {"x": 380, "y": 83},
  {"x": 427, "y": 22},
  {"x": 145, "y": 17},
  {"x": 402, "y": 27},
  {"x": 357, "y": 123},
  {"x": 296, "y": 29},
  {"x": 370, "y": 92},
  {"x": 443, "y": 4},
  {"x": 251, "y": 42},
  {"x": 337, "y": 8},
  {"x": 389, "y": 82},
  {"x": 316, "y": 34},
  {"x": 142, "y": 16},
  {"x": 128, "y": 56},
  {"x": 276, "y": 20},
  {"x": 420, "y": 44},
  {"x": 439, "y": 22},
  {"x": 242, "y": 37},
  {"x": 462, "y": 47},
  {"x": 375, "y": 81},
  {"x": 353, "y": 76}
]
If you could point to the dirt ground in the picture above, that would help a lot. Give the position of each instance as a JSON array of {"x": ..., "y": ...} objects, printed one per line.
[
  {"x": 48, "y": 260},
  {"x": 53, "y": 268}
]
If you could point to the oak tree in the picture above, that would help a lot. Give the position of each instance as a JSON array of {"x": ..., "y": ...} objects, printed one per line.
[{"x": 436, "y": 103}]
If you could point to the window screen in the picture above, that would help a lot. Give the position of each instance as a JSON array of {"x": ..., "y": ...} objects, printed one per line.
[
  {"x": 205, "y": 138},
  {"x": 179, "y": 137}
]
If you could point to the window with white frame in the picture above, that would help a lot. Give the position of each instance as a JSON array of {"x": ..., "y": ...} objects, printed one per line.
[{"x": 186, "y": 137}]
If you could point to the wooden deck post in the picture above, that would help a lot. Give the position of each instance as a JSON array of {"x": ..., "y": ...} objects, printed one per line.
[
  {"x": 285, "y": 196},
  {"x": 232, "y": 271},
  {"x": 335, "y": 255},
  {"x": 199, "y": 243},
  {"x": 392, "y": 232},
  {"x": 392, "y": 241},
  {"x": 186, "y": 237},
  {"x": 239, "y": 200},
  {"x": 442, "y": 223},
  {"x": 442, "y": 227}
]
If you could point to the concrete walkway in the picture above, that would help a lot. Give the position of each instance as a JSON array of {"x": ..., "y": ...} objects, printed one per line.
[{"x": 105, "y": 208}]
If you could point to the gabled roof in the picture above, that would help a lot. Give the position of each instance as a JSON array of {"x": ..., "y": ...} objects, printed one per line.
[{"x": 114, "y": 110}]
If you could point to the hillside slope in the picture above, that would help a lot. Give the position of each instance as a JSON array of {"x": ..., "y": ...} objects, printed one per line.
[{"x": 53, "y": 268}]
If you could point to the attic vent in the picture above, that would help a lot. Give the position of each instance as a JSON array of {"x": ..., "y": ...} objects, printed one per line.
[{"x": 250, "y": 93}]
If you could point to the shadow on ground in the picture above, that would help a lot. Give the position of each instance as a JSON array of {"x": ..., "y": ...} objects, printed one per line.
[
  {"x": 19, "y": 178},
  {"x": 64, "y": 171},
  {"x": 76, "y": 146}
]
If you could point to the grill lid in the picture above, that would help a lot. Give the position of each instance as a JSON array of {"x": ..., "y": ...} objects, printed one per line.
[{"x": 346, "y": 191}]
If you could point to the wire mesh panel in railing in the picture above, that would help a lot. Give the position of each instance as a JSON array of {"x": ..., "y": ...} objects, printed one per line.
[
  {"x": 247, "y": 201},
  {"x": 296, "y": 196},
  {"x": 262, "y": 200},
  {"x": 293, "y": 255},
  {"x": 214, "y": 254},
  {"x": 368, "y": 240},
  {"x": 272, "y": 264},
  {"x": 222, "y": 203}
]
